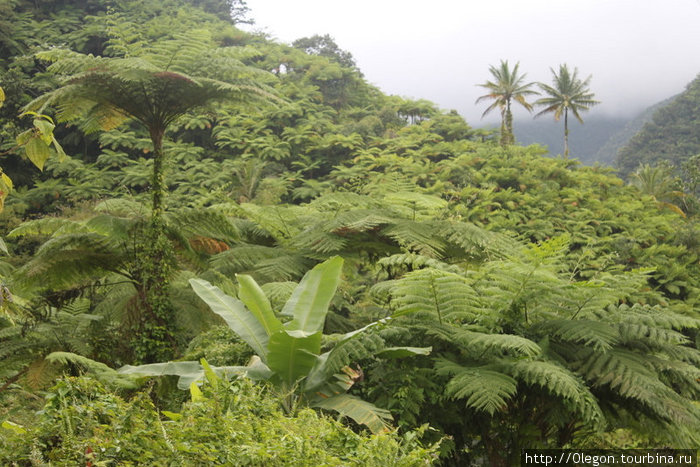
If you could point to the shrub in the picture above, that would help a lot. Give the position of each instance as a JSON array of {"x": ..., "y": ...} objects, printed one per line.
[{"x": 227, "y": 423}]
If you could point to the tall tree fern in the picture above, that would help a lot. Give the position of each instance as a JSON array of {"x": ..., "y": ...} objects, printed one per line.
[{"x": 155, "y": 88}]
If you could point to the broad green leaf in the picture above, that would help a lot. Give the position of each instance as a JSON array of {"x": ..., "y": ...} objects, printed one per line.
[
  {"x": 255, "y": 370},
  {"x": 37, "y": 151},
  {"x": 3, "y": 247},
  {"x": 59, "y": 149},
  {"x": 196, "y": 393},
  {"x": 2, "y": 97},
  {"x": 7, "y": 181},
  {"x": 310, "y": 300},
  {"x": 18, "y": 429},
  {"x": 292, "y": 354},
  {"x": 162, "y": 369},
  {"x": 24, "y": 137},
  {"x": 256, "y": 301},
  {"x": 362, "y": 412},
  {"x": 239, "y": 319},
  {"x": 172, "y": 415},
  {"x": 401, "y": 352},
  {"x": 209, "y": 373},
  {"x": 45, "y": 130},
  {"x": 188, "y": 372}
]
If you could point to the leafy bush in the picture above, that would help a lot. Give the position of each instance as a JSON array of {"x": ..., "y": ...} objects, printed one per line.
[{"x": 235, "y": 423}]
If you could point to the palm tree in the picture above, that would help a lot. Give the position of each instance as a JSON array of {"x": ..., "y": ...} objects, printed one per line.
[
  {"x": 567, "y": 93},
  {"x": 507, "y": 86},
  {"x": 153, "y": 89}
]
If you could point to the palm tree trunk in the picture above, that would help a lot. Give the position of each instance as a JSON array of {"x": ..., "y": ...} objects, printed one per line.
[
  {"x": 566, "y": 133},
  {"x": 509, "y": 126},
  {"x": 504, "y": 137}
]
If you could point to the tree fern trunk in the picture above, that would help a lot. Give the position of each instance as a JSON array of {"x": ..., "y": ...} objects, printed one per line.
[
  {"x": 157, "y": 177},
  {"x": 154, "y": 340}
]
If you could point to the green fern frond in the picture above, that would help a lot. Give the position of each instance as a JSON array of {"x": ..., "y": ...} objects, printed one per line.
[
  {"x": 278, "y": 292},
  {"x": 439, "y": 294},
  {"x": 629, "y": 374},
  {"x": 599, "y": 335},
  {"x": 47, "y": 226},
  {"x": 405, "y": 262},
  {"x": 413, "y": 205},
  {"x": 364, "y": 345},
  {"x": 416, "y": 236},
  {"x": 204, "y": 222},
  {"x": 495, "y": 345},
  {"x": 283, "y": 268},
  {"x": 560, "y": 382},
  {"x": 242, "y": 257},
  {"x": 119, "y": 229},
  {"x": 100, "y": 371},
  {"x": 482, "y": 388},
  {"x": 657, "y": 317},
  {"x": 479, "y": 242},
  {"x": 344, "y": 201},
  {"x": 69, "y": 261},
  {"x": 651, "y": 335},
  {"x": 318, "y": 241}
]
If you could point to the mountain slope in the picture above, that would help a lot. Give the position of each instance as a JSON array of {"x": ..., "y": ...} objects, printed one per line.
[{"x": 673, "y": 134}]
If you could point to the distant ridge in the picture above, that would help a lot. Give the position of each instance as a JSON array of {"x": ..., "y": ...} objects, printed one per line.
[
  {"x": 585, "y": 140},
  {"x": 672, "y": 135}
]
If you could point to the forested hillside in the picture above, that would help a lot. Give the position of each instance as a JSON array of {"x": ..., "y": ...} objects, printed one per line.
[
  {"x": 251, "y": 256},
  {"x": 672, "y": 136},
  {"x": 607, "y": 154}
]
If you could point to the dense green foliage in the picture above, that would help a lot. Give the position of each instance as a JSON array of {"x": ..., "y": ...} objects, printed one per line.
[
  {"x": 559, "y": 304},
  {"x": 224, "y": 424}
]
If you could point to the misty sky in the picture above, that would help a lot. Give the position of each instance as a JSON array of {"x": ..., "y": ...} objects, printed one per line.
[{"x": 638, "y": 51}]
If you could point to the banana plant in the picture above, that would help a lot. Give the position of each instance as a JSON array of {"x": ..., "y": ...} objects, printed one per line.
[{"x": 289, "y": 353}]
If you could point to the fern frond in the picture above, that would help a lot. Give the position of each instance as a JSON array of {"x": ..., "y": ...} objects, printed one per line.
[
  {"x": 405, "y": 262},
  {"x": 599, "y": 335},
  {"x": 479, "y": 242},
  {"x": 442, "y": 295},
  {"x": 284, "y": 268},
  {"x": 416, "y": 236},
  {"x": 495, "y": 345},
  {"x": 560, "y": 382},
  {"x": 364, "y": 345},
  {"x": 482, "y": 388},
  {"x": 100, "y": 371},
  {"x": 651, "y": 335},
  {"x": 47, "y": 226},
  {"x": 204, "y": 223},
  {"x": 242, "y": 257},
  {"x": 628, "y": 374},
  {"x": 69, "y": 261},
  {"x": 278, "y": 292}
]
